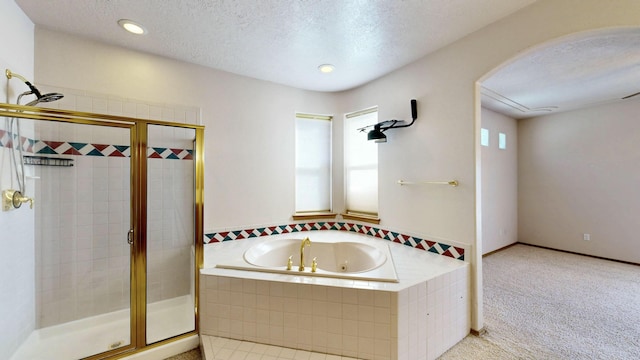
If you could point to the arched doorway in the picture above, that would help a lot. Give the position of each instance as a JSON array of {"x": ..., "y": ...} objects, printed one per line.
[{"x": 587, "y": 70}]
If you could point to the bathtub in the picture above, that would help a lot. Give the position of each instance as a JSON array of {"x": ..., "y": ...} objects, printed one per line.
[
  {"x": 252, "y": 297},
  {"x": 356, "y": 258}
]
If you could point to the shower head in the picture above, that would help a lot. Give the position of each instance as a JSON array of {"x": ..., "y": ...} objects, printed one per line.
[
  {"x": 39, "y": 97},
  {"x": 45, "y": 98}
]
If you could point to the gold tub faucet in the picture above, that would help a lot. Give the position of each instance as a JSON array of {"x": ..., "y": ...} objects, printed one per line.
[{"x": 305, "y": 242}]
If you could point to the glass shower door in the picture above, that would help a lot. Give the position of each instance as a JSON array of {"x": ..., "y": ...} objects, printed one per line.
[
  {"x": 105, "y": 262},
  {"x": 170, "y": 232},
  {"x": 78, "y": 175}
]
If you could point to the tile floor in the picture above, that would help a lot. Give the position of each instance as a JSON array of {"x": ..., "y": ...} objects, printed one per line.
[{"x": 217, "y": 348}]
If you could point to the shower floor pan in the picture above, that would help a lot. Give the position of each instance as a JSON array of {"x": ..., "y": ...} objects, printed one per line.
[{"x": 96, "y": 334}]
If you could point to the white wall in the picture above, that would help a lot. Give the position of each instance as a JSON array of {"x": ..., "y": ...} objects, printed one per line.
[
  {"x": 579, "y": 174},
  {"x": 17, "y": 295},
  {"x": 442, "y": 143},
  {"x": 499, "y": 183},
  {"x": 249, "y": 135}
]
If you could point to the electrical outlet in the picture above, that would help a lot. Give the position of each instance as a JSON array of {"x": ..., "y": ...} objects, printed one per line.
[{"x": 586, "y": 237}]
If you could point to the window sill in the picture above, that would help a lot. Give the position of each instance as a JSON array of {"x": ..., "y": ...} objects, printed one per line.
[
  {"x": 362, "y": 217},
  {"x": 313, "y": 215}
]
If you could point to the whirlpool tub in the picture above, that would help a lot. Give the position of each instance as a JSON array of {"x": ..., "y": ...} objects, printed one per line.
[
  {"x": 369, "y": 298},
  {"x": 356, "y": 258}
]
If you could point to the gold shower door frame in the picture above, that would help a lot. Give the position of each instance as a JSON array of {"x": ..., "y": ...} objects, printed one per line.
[{"x": 138, "y": 140}]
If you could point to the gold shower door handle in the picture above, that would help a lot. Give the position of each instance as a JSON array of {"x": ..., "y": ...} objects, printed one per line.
[{"x": 130, "y": 237}]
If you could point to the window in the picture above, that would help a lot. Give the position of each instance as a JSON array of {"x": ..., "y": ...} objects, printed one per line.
[
  {"x": 484, "y": 137},
  {"x": 361, "y": 166},
  {"x": 313, "y": 164},
  {"x": 502, "y": 141}
]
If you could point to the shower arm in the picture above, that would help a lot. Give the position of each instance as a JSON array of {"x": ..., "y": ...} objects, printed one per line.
[
  {"x": 40, "y": 97},
  {"x": 33, "y": 89}
]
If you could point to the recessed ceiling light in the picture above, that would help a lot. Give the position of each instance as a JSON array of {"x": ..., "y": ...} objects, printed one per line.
[
  {"x": 326, "y": 68},
  {"x": 132, "y": 27}
]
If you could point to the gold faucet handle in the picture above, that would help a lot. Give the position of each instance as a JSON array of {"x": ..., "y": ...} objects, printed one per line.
[
  {"x": 13, "y": 199},
  {"x": 30, "y": 200},
  {"x": 314, "y": 265},
  {"x": 290, "y": 263},
  {"x": 19, "y": 199}
]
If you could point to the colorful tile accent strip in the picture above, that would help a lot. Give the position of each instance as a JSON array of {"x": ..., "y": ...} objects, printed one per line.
[
  {"x": 45, "y": 147},
  {"x": 416, "y": 242},
  {"x": 7, "y": 139},
  {"x": 168, "y": 153},
  {"x": 104, "y": 150},
  {"x": 80, "y": 149}
]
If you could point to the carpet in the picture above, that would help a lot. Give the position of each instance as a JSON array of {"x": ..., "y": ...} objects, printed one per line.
[{"x": 546, "y": 304}]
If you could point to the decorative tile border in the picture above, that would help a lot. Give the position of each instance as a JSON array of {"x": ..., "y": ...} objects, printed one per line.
[
  {"x": 169, "y": 153},
  {"x": 7, "y": 139},
  {"x": 416, "y": 242},
  {"x": 45, "y": 147},
  {"x": 104, "y": 150},
  {"x": 80, "y": 149}
]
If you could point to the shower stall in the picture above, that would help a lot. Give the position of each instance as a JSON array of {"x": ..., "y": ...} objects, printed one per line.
[{"x": 117, "y": 240}]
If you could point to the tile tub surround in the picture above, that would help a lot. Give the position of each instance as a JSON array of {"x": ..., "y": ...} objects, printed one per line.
[{"x": 419, "y": 318}]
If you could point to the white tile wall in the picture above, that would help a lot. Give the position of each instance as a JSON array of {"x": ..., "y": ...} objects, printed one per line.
[
  {"x": 82, "y": 218},
  {"x": 80, "y": 100},
  {"x": 170, "y": 225},
  {"x": 419, "y": 322},
  {"x": 82, "y": 258}
]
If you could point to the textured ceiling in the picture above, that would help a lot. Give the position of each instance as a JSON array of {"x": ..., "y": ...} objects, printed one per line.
[
  {"x": 575, "y": 72},
  {"x": 282, "y": 41}
]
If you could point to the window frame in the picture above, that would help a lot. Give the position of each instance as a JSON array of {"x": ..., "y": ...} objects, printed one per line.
[
  {"x": 359, "y": 214},
  {"x": 316, "y": 213}
]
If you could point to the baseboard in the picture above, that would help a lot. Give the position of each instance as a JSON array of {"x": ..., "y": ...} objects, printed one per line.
[
  {"x": 577, "y": 253},
  {"x": 480, "y": 332},
  {"x": 500, "y": 249}
]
